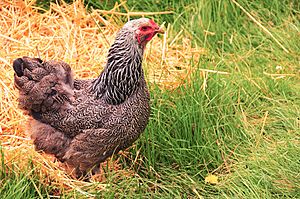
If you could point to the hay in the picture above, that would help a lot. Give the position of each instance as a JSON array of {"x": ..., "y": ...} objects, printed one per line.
[{"x": 69, "y": 33}]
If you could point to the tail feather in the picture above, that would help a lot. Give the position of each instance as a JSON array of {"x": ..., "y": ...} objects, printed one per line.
[
  {"x": 18, "y": 67},
  {"x": 43, "y": 86},
  {"x": 21, "y": 63}
]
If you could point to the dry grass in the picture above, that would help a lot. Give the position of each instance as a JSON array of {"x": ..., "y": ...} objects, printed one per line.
[{"x": 82, "y": 39}]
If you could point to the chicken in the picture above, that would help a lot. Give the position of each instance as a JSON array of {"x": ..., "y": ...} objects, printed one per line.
[{"x": 83, "y": 122}]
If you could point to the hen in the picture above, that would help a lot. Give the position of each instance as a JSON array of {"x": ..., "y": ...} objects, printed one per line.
[{"x": 83, "y": 122}]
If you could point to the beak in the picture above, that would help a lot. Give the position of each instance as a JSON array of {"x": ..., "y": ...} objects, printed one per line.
[{"x": 159, "y": 30}]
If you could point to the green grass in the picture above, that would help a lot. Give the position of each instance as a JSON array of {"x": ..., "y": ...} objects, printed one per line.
[
  {"x": 244, "y": 127},
  {"x": 16, "y": 183}
]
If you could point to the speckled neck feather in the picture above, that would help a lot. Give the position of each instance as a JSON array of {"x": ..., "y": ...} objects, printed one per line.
[{"x": 123, "y": 70}]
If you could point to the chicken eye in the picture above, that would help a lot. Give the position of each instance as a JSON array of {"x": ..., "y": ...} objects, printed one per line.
[{"x": 145, "y": 28}]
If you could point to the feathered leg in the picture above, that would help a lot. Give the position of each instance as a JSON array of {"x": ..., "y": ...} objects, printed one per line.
[{"x": 90, "y": 148}]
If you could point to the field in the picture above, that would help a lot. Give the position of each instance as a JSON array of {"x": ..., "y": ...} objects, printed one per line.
[{"x": 225, "y": 101}]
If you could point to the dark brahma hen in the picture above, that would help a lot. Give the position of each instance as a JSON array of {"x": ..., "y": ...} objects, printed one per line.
[{"x": 83, "y": 122}]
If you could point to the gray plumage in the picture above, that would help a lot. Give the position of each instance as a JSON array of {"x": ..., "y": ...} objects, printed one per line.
[{"x": 83, "y": 122}]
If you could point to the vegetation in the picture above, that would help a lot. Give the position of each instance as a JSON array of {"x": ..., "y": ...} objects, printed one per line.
[
  {"x": 16, "y": 183},
  {"x": 241, "y": 125}
]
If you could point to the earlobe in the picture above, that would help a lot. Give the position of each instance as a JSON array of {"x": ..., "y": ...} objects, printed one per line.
[{"x": 149, "y": 36}]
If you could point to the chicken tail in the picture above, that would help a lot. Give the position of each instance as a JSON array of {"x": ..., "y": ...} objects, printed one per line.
[{"x": 43, "y": 86}]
